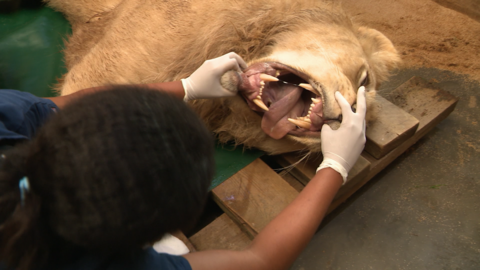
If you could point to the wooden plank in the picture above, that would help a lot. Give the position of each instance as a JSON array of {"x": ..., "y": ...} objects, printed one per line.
[
  {"x": 291, "y": 180},
  {"x": 184, "y": 239},
  {"x": 430, "y": 106},
  {"x": 222, "y": 233},
  {"x": 254, "y": 196},
  {"x": 391, "y": 127},
  {"x": 306, "y": 169}
]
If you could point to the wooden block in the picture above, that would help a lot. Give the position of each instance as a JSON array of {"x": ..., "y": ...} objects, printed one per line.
[
  {"x": 254, "y": 196},
  {"x": 292, "y": 181},
  {"x": 222, "y": 233},
  {"x": 306, "y": 169},
  {"x": 391, "y": 127},
  {"x": 301, "y": 167},
  {"x": 428, "y": 105}
]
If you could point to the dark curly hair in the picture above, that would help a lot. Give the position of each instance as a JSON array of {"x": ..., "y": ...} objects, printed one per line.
[{"x": 113, "y": 171}]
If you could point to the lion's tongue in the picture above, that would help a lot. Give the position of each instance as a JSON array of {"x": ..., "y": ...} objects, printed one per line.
[{"x": 274, "y": 122}]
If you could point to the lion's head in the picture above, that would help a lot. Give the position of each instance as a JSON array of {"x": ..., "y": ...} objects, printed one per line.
[{"x": 289, "y": 86}]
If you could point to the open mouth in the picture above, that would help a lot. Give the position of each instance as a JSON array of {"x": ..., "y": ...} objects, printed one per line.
[{"x": 289, "y": 104}]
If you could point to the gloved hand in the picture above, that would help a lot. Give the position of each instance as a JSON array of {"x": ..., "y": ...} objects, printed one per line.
[
  {"x": 342, "y": 147},
  {"x": 205, "y": 81}
]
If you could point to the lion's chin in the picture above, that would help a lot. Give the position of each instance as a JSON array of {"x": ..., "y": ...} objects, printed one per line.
[{"x": 283, "y": 97}]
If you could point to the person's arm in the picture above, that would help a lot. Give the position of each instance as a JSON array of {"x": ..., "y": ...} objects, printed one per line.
[
  {"x": 282, "y": 240},
  {"x": 203, "y": 83},
  {"x": 174, "y": 88}
]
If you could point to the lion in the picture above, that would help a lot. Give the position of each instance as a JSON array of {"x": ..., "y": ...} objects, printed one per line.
[{"x": 298, "y": 54}]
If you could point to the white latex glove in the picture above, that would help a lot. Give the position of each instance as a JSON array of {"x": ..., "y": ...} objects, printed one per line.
[
  {"x": 205, "y": 81},
  {"x": 342, "y": 147}
]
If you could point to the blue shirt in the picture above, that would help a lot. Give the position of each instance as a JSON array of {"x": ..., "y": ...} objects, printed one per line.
[
  {"x": 147, "y": 259},
  {"x": 21, "y": 114}
]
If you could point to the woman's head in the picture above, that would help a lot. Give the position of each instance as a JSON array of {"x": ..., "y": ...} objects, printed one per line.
[{"x": 116, "y": 169}]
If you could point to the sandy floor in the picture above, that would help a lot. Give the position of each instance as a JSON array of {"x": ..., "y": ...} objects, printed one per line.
[{"x": 425, "y": 33}]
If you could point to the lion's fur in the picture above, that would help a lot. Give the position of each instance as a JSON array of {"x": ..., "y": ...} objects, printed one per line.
[{"x": 128, "y": 41}]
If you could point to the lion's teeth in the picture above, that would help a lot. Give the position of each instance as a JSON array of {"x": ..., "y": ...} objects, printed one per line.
[
  {"x": 262, "y": 83},
  {"x": 258, "y": 101},
  {"x": 300, "y": 123},
  {"x": 316, "y": 100},
  {"x": 267, "y": 78},
  {"x": 309, "y": 87},
  {"x": 306, "y": 119},
  {"x": 277, "y": 73},
  {"x": 306, "y": 86}
]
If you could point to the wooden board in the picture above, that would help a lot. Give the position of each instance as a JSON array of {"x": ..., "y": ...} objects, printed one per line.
[
  {"x": 222, "y": 233},
  {"x": 254, "y": 196},
  {"x": 291, "y": 180},
  {"x": 391, "y": 127},
  {"x": 430, "y": 106},
  {"x": 305, "y": 170}
]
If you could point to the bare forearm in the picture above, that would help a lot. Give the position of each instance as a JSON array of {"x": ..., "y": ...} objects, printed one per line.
[
  {"x": 280, "y": 243},
  {"x": 282, "y": 240},
  {"x": 174, "y": 88}
]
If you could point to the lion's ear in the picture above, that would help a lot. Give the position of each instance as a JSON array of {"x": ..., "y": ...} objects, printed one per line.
[{"x": 382, "y": 55}]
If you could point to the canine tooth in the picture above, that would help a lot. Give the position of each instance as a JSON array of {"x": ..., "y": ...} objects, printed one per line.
[
  {"x": 300, "y": 123},
  {"x": 315, "y": 100},
  {"x": 258, "y": 101},
  {"x": 306, "y": 86},
  {"x": 267, "y": 78},
  {"x": 309, "y": 87}
]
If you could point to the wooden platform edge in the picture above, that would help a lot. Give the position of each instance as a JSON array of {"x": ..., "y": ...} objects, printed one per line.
[{"x": 391, "y": 127}]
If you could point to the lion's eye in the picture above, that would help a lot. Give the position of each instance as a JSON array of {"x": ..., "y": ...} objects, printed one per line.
[{"x": 365, "y": 80}]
